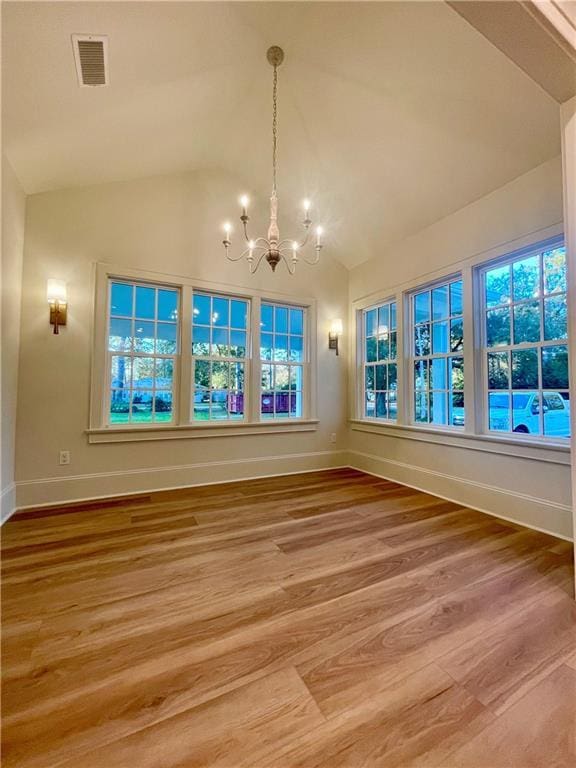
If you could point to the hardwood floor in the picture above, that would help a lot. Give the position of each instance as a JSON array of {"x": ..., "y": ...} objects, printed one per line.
[{"x": 325, "y": 619}]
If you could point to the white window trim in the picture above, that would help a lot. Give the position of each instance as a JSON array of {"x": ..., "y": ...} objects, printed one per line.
[
  {"x": 527, "y": 446},
  {"x": 481, "y": 360},
  {"x": 410, "y": 359},
  {"x": 183, "y": 426},
  {"x": 361, "y": 330}
]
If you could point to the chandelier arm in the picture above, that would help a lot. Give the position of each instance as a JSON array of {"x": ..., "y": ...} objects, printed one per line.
[
  {"x": 254, "y": 265},
  {"x": 314, "y": 261},
  {"x": 290, "y": 265}
]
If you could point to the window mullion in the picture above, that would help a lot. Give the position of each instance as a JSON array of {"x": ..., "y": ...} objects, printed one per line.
[
  {"x": 183, "y": 364},
  {"x": 254, "y": 372},
  {"x": 473, "y": 414}
]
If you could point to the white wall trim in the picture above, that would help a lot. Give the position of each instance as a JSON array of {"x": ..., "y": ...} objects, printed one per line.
[
  {"x": 7, "y": 502},
  {"x": 529, "y": 511},
  {"x": 48, "y": 491}
]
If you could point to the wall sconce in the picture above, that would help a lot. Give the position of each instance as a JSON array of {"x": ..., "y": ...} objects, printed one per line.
[
  {"x": 56, "y": 294},
  {"x": 334, "y": 333}
]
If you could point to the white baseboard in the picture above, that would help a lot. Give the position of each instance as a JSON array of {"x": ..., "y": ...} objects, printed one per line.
[
  {"x": 538, "y": 514},
  {"x": 7, "y": 502},
  {"x": 64, "y": 490}
]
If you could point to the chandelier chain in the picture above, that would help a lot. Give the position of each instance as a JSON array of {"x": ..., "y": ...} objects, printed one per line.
[{"x": 274, "y": 129}]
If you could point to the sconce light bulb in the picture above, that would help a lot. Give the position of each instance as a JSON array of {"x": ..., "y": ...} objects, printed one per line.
[
  {"x": 244, "y": 201},
  {"x": 306, "y": 205},
  {"x": 227, "y": 227}
]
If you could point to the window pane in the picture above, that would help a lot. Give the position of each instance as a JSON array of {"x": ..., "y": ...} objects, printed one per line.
[
  {"x": 280, "y": 347},
  {"x": 526, "y": 278},
  {"x": 456, "y": 373},
  {"x": 456, "y": 335},
  {"x": 456, "y": 290},
  {"x": 527, "y": 322},
  {"x": 144, "y": 336},
  {"x": 268, "y": 377},
  {"x": 497, "y": 283},
  {"x": 202, "y": 375},
  {"x": 384, "y": 319},
  {"x": 422, "y": 340},
  {"x": 237, "y": 376},
  {"x": 439, "y": 337},
  {"x": 267, "y": 318},
  {"x": 392, "y": 376},
  {"x": 526, "y": 413},
  {"x": 266, "y": 345},
  {"x": 163, "y": 406},
  {"x": 457, "y": 412},
  {"x": 145, "y": 303},
  {"x": 393, "y": 316},
  {"x": 297, "y": 321},
  {"x": 166, "y": 341},
  {"x": 381, "y": 377},
  {"x": 369, "y": 377},
  {"x": 440, "y": 308},
  {"x": 121, "y": 372},
  {"x": 422, "y": 307},
  {"x": 236, "y": 405},
  {"x": 421, "y": 407},
  {"x": 219, "y": 404},
  {"x": 296, "y": 348},
  {"x": 119, "y": 406},
  {"x": 201, "y": 310},
  {"x": 438, "y": 373},
  {"x": 164, "y": 373},
  {"x": 167, "y": 305},
  {"x": 556, "y": 414},
  {"x": 499, "y": 411},
  {"x": 220, "y": 375},
  {"x": 421, "y": 374},
  {"x": 555, "y": 367},
  {"x": 237, "y": 343},
  {"x": 381, "y": 405},
  {"x": 438, "y": 408},
  {"x": 238, "y": 314},
  {"x": 383, "y": 347},
  {"x": 120, "y": 337},
  {"x": 555, "y": 318},
  {"x": 142, "y": 400},
  {"x": 555, "y": 270},
  {"x": 371, "y": 349},
  {"x": 220, "y": 312},
  {"x": 498, "y": 327},
  {"x": 393, "y": 350},
  {"x": 282, "y": 377},
  {"x": 220, "y": 342},
  {"x": 121, "y": 299},
  {"x": 143, "y": 372},
  {"x": 498, "y": 370},
  {"x": 371, "y": 322},
  {"x": 525, "y": 369},
  {"x": 281, "y": 320},
  {"x": 296, "y": 378},
  {"x": 296, "y": 405},
  {"x": 200, "y": 341},
  {"x": 370, "y": 404}
]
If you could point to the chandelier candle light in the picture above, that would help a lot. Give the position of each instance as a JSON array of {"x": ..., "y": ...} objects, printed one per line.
[{"x": 272, "y": 248}]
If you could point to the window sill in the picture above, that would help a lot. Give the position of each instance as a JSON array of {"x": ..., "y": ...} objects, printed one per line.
[
  {"x": 551, "y": 452},
  {"x": 186, "y": 431}
]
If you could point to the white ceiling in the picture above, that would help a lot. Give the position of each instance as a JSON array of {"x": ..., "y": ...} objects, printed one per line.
[{"x": 392, "y": 115}]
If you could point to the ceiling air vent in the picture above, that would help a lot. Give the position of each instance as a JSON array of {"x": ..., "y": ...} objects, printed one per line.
[{"x": 91, "y": 56}]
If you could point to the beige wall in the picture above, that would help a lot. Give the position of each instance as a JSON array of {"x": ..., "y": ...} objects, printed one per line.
[
  {"x": 533, "y": 488},
  {"x": 13, "y": 214},
  {"x": 170, "y": 224}
]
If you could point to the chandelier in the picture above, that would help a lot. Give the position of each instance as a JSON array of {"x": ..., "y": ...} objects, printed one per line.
[{"x": 272, "y": 248}]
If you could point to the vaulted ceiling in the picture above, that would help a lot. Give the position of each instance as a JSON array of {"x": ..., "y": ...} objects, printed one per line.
[{"x": 392, "y": 115}]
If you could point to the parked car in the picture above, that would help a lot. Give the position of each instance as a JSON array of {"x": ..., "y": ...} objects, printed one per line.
[{"x": 526, "y": 413}]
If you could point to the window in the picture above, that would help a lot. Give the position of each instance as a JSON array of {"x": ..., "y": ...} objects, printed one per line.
[
  {"x": 380, "y": 373},
  {"x": 282, "y": 356},
  {"x": 142, "y": 351},
  {"x": 437, "y": 360},
  {"x": 220, "y": 348},
  {"x": 525, "y": 344}
]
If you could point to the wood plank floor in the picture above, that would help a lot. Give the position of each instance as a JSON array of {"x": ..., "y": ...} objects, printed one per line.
[{"x": 324, "y": 619}]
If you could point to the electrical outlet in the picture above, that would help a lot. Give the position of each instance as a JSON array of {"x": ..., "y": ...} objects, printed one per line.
[
  {"x": 333, "y": 437},
  {"x": 64, "y": 457}
]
